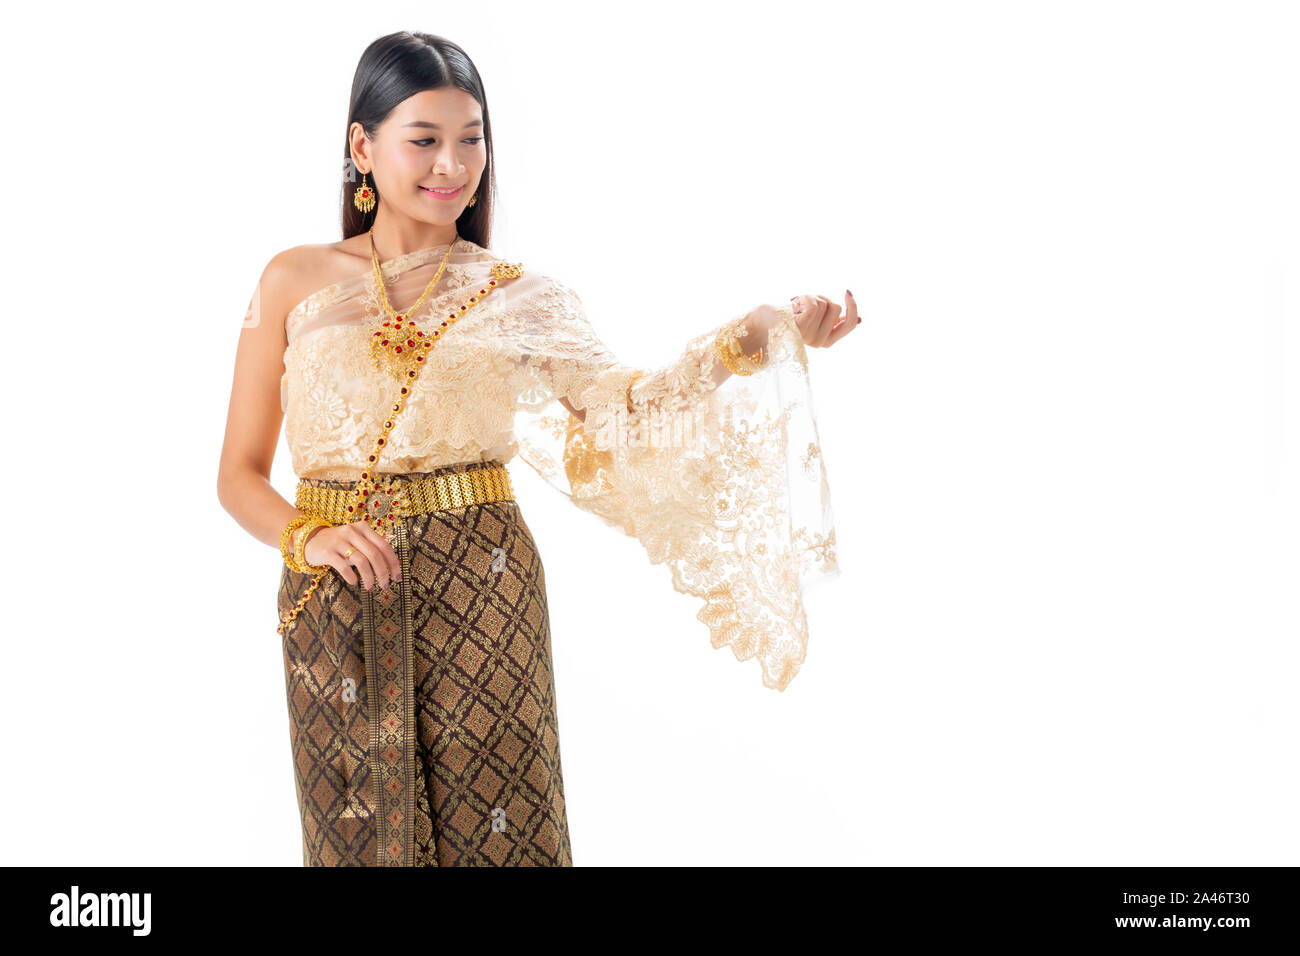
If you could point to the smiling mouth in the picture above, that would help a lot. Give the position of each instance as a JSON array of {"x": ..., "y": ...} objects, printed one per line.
[{"x": 439, "y": 192}]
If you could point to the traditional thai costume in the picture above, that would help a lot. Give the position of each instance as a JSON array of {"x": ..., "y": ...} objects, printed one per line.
[{"x": 423, "y": 716}]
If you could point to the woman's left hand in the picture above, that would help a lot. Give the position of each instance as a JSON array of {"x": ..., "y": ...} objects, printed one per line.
[{"x": 819, "y": 319}]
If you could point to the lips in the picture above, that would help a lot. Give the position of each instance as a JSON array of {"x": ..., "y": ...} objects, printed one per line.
[{"x": 438, "y": 192}]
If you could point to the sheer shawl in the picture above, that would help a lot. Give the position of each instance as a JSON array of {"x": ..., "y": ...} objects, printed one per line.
[{"x": 723, "y": 483}]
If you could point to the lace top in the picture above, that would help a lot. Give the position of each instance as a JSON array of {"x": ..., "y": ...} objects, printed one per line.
[{"x": 722, "y": 483}]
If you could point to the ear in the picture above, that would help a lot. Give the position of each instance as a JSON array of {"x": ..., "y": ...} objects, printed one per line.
[{"x": 360, "y": 145}]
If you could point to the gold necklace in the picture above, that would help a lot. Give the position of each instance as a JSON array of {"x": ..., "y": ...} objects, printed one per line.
[{"x": 399, "y": 345}]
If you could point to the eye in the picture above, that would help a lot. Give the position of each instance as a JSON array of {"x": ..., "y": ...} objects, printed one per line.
[{"x": 475, "y": 140}]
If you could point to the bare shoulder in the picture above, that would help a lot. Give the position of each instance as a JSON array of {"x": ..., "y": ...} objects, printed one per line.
[
  {"x": 279, "y": 283},
  {"x": 299, "y": 271},
  {"x": 294, "y": 274}
]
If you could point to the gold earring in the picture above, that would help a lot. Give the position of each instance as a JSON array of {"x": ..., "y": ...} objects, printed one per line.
[
  {"x": 363, "y": 197},
  {"x": 472, "y": 200}
]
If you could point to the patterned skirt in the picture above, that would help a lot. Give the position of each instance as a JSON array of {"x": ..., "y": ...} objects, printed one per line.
[{"x": 422, "y": 717}]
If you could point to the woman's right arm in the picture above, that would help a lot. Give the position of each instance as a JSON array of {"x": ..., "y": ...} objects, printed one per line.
[
  {"x": 253, "y": 432},
  {"x": 254, "y": 417}
]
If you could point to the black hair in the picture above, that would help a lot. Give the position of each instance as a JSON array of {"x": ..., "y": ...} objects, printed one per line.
[{"x": 391, "y": 69}]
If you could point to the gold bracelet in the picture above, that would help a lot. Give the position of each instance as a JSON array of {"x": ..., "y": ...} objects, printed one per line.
[
  {"x": 300, "y": 545},
  {"x": 752, "y": 363},
  {"x": 723, "y": 346},
  {"x": 727, "y": 345},
  {"x": 758, "y": 359},
  {"x": 286, "y": 541}
]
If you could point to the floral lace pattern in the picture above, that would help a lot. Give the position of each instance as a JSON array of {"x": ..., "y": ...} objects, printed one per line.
[{"x": 724, "y": 483}]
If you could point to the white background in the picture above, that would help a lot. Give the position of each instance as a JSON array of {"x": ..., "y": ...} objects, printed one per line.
[{"x": 1062, "y": 446}]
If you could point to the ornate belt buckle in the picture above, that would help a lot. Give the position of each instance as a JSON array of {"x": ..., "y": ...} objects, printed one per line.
[{"x": 387, "y": 503}]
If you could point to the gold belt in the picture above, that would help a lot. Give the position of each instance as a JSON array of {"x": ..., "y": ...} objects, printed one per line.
[{"x": 400, "y": 497}]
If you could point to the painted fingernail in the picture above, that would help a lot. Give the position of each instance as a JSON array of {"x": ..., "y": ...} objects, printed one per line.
[
  {"x": 848, "y": 293},
  {"x": 859, "y": 320}
]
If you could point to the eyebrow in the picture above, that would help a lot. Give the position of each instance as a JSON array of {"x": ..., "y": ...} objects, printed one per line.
[{"x": 424, "y": 125}]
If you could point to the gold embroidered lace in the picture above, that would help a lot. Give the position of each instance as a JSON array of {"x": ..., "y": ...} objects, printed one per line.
[{"x": 724, "y": 484}]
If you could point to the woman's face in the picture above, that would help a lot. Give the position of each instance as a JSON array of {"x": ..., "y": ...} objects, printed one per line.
[{"x": 433, "y": 139}]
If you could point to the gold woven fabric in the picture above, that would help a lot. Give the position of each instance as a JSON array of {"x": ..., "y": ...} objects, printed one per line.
[{"x": 410, "y": 496}]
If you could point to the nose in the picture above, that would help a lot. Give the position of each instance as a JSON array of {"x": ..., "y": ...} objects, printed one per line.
[{"x": 446, "y": 162}]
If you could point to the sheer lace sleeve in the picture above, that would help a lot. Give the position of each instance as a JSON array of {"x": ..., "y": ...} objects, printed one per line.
[{"x": 723, "y": 483}]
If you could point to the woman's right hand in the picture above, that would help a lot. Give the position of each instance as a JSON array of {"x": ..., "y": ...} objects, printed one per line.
[{"x": 372, "y": 558}]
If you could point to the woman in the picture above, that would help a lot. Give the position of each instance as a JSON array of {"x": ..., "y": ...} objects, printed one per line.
[{"x": 412, "y": 602}]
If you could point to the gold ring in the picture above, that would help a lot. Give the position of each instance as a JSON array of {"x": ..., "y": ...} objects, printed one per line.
[{"x": 348, "y": 551}]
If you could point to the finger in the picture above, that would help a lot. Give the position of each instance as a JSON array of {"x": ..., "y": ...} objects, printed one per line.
[
  {"x": 372, "y": 562},
  {"x": 819, "y": 306},
  {"x": 813, "y": 333},
  {"x": 809, "y": 320},
  {"x": 848, "y": 323},
  {"x": 368, "y": 566},
  {"x": 845, "y": 326},
  {"x": 365, "y": 568},
  {"x": 359, "y": 573},
  {"x": 830, "y": 316},
  {"x": 331, "y": 553},
  {"x": 344, "y": 567},
  {"x": 384, "y": 548}
]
